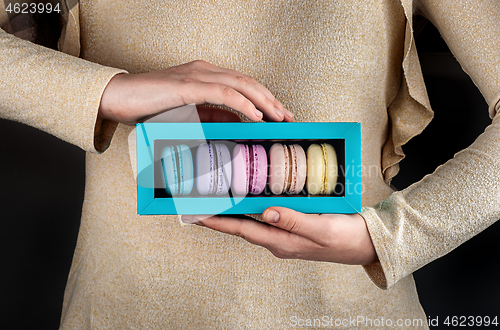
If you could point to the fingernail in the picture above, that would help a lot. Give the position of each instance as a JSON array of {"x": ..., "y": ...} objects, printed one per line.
[
  {"x": 272, "y": 216},
  {"x": 279, "y": 112},
  {"x": 189, "y": 219},
  {"x": 258, "y": 113},
  {"x": 288, "y": 114}
]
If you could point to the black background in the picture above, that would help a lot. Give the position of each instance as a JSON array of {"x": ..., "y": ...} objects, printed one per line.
[{"x": 41, "y": 193}]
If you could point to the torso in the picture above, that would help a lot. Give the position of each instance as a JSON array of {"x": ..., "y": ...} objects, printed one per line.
[{"x": 326, "y": 61}]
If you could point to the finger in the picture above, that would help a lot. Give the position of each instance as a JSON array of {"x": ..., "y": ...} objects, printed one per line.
[
  {"x": 210, "y": 114},
  {"x": 214, "y": 93},
  {"x": 246, "y": 80},
  {"x": 288, "y": 115},
  {"x": 193, "y": 218},
  {"x": 241, "y": 79},
  {"x": 317, "y": 228},
  {"x": 247, "y": 86},
  {"x": 281, "y": 243},
  {"x": 260, "y": 96},
  {"x": 244, "y": 228},
  {"x": 251, "y": 104}
]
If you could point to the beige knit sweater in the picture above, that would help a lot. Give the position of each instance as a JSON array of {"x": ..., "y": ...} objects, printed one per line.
[{"x": 326, "y": 61}]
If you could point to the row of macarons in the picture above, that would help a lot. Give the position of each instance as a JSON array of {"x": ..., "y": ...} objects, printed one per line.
[{"x": 215, "y": 170}]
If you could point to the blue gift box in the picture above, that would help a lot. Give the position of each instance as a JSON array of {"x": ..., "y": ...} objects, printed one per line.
[{"x": 152, "y": 137}]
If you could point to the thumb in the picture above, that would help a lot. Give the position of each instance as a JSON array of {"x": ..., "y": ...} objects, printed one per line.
[{"x": 307, "y": 225}]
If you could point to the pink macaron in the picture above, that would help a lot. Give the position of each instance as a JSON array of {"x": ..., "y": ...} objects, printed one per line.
[
  {"x": 249, "y": 169},
  {"x": 287, "y": 169}
]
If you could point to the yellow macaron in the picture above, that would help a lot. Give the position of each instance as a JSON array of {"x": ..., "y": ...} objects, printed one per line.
[{"x": 322, "y": 170}]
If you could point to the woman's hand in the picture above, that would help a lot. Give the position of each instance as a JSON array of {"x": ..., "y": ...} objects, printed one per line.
[
  {"x": 131, "y": 98},
  {"x": 341, "y": 238}
]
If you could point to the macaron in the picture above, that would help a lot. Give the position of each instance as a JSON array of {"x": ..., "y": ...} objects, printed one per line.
[
  {"x": 287, "y": 169},
  {"x": 177, "y": 168},
  {"x": 322, "y": 169},
  {"x": 213, "y": 169},
  {"x": 249, "y": 169}
]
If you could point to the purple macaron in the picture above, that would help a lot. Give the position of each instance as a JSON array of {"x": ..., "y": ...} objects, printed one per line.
[{"x": 213, "y": 169}]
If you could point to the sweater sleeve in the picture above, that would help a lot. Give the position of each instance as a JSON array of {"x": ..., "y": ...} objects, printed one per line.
[
  {"x": 462, "y": 197},
  {"x": 52, "y": 91}
]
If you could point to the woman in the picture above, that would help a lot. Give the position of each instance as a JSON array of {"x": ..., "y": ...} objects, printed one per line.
[{"x": 326, "y": 61}]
